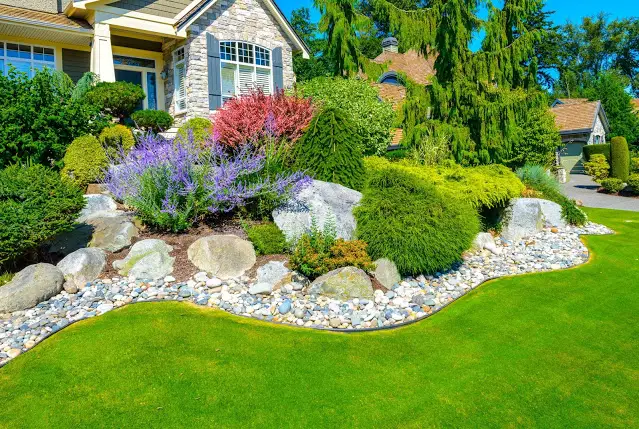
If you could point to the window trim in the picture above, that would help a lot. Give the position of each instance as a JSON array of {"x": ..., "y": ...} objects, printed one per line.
[
  {"x": 237, "y": 63},
  {"x": 5, "y": 58},
  {"x": 176, "y": 99}
]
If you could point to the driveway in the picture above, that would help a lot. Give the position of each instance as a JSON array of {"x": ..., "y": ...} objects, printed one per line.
[{"x": 581, "y": 187}]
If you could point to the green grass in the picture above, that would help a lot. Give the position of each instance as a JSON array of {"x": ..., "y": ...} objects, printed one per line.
[
  {"x": 546, "y": 350},
  {"x": 6, "y": 278}
]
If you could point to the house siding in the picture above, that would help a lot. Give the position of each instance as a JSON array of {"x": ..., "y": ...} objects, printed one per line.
[
  {"x": 598, "y": 130},
  {"x": 51, "y": 6},
  {"x": 75, "y": 63},
  {"x": 163, "y": 8},
  {"x": 244, "y": 20}
]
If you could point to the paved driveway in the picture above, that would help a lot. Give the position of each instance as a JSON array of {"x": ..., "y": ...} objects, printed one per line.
[{"x": 581, "y": 187}]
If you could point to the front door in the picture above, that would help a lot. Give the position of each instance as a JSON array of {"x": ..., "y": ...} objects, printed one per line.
[
  {"x": 140, "y": 71},
  {"x": 130, "y": 76}
]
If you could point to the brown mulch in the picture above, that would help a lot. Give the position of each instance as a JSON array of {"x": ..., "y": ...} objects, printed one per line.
[{"x": 624, "y": 194}]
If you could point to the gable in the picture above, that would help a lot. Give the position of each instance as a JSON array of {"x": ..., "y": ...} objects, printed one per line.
[{"x": 163, "y": 8}]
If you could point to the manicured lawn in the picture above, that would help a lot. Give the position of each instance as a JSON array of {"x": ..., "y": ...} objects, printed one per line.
[{"x": 548, "y": 350}]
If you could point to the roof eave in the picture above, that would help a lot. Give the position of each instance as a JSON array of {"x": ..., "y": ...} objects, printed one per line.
[{"x": 49, "y": 26}]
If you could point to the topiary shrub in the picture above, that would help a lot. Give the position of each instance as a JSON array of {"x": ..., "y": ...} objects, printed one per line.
[
  {"x": 35, "y": 206},
  {"x": 156, "y": 121},
  {"x": 598, "y": 168},
  {"x": 612, "y": 185},
  {"x": 329, "y": 150},
  {"x": 267, "y": 238},
  {"x": 85, "y": 161},
  {"x": 412, "y": 223},
  {"x": 633, "y": 182},
  {"x": 117, "y": 139},
  {"x": 619, "y": 158},
  {"x": 596, "y": 149},
  {"x": 200, "y": 128},
  {"x": 119, "y": 99}
]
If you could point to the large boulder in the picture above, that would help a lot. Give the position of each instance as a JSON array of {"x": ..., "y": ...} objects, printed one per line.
[
  {"x": 322, "y": 201},
  {"x": 527, "y": 216},
  {"x": 81, "y": 267},
  {"x": 343, "y": 284},
  {"x": 31, "y": 286},
  {"x": 112, "y": 233},
  {"x": 147, "y": 259},
  {"x": 224, "y": 256},
  {"x": 70, "y": 241},
  {"x": 386, "y": 272},
  {"x": 98, "y": 205},
  {"x": 552, "y": 214}
]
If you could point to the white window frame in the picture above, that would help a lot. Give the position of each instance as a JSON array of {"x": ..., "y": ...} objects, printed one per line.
[
  {"x": 6, "y": 59},
  {"x": 237, "y": 63},
  {"x": 176, "y": 87},
  {"x": 145, "y": 71}
]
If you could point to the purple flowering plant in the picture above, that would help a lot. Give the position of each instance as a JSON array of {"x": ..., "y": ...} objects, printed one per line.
[{"x": 173, "y": 184}]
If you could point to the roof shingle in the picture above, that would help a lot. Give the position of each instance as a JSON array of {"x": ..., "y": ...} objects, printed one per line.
[
  {"x": 43, "y": 18},
  {"x": 576, "y": 116},
  {"x": 417, "y": 68}
]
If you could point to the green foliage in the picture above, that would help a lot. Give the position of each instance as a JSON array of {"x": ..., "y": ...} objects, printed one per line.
[
  {"x": 6, "y": 278},
  {"x": 597, "y": 167},
  {"x": 317, "y": 65},
  {"x": 39, "y": 117},
  {"x": 620, "y": 158},
  {"x": 267, "y": 238},
  {"x": 409, "y": 221},
  {"x": 119, "y": 99},
  {"x": 35, "y": 206},
  {"x": 634, "y": 165},
  {"x": 116, "y": 139},
  {"x": 329, "y": 150},
  {"x": 373, "y": 119},
  {"x": 612, "y": 185},
  {"x": 85, "y": 161},
  {"x": 633, "y": 182},
  {"x": 593, "y": 149},
  {"x": 539, "y": 140},
  {"x": 152, "y": 120},
  {"x": 84, "y": 85},
  {"x": 538, "y": 177},
  {"x": 431, "y": 149},
  {"x": 201, "y": 128}
]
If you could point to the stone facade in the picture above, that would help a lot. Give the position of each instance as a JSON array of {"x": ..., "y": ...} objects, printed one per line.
[
  {"x": 598, "y": 130},
  {"x": 241, "y": 20}
]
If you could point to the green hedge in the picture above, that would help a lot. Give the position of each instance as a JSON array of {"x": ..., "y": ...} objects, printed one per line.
[
  {"x": 620, "y": 158},
  {"x": 593, "y": 149},
  {"x": 152, "y": 120}
]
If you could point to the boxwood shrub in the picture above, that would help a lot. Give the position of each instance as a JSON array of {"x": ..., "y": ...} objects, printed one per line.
[
  {"x": 156, "y": 121},
  {"x": 267, "y": 238},
  {"x": 612, "y": 185},
  {"x": 633, "y": 182},
  {"x": 409, "y": 221},
  {"x": 594, "y": 149},
  {"x": 85, "y": 161},
  {"x": 201, "y": 128},
  {"x": 620, "y": 158},
  {"x": 116, "y": 139}
]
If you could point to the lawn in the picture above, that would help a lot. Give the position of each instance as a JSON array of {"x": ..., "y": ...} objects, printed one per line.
[{"x": 548, "y": 350}]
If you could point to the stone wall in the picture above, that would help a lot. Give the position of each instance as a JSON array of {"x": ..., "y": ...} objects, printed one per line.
[
  {"x": 598, "y": 130},
  {"x": 243, "y": 20}
]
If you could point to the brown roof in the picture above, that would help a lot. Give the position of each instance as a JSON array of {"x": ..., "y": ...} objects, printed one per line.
[
  {"x": 398, "y": 134},
  {"x": 576, "y": 116},
  {"x": 18, "y": 14},
  {"x": 567, "y": 101},
  {"x": 414, "y": 65},
  {"x": 394, "y": 94}
]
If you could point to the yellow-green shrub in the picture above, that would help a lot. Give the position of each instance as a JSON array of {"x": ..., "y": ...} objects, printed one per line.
[
  {"x": 116, "y": 137},
  {"x": 597, "y": 167},
  {"x": 84, "y": 161}
]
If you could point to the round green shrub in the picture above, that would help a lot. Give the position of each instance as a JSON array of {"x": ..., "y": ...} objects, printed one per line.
[
  {"x": 35, "y": 206},
  {"x": 612, "y": 184},
  {"x": 620, "y": 158},
  {"x": 267, "y": 238},
  {"x": 329, "y": 150},
  {"x": 152, "y": 120},
  {"x": 633, "y": 182},
  {"x": 201, "y": 128},
  {"x": 596, "y": 149},
  {"x": 597, "y": 167},
  {"x": 116, "y": 139},
  {"x": 118, "y": 99},
  {"x": 410, "y": 222},
  {"x": 85, "y": 161}
]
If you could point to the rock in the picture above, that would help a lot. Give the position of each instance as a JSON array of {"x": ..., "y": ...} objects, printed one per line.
[
  {"x": 97, "y": 188},
  {"x": 344, "y": 284},
  {"x": 224, "y": 256},
  {"x": 31, "y": 286},
  {"x": 284, "y": 307},
  {"x": 68, "y": 242},
  {"x": 103, "y": 308},
  {"x": 98, "y": 205},
  {"x": 13, "y": 353},
  {"x": 272, "y": 273},
  {"x": 261, "y": 288},
  {"x": 81, "y": 267},
  {"x": 112, "y": 233},
  {"x": 147, "y": 259},
  {"x": 486, "y": 241},
  {"x": 552, "y": 214},
  {"x": 522, "y": 218},
  {"x": 386, "y": 272},
  {"x": 335, "y": 322},
  {"x": 321, "y": 201}
]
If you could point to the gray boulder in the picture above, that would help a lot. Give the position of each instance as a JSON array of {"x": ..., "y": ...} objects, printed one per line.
[
  {"x": 343, "y": 284},
  {"x": 386, "y": 272},
  {"x": 147, "y": 259},
  {"x": 224, "y": 256},
  {"x": 31, "y": 286},
  {"x": 68, "y": 242},
  {"x": 272, "y": 272},
  {"x": 112, "y": 233},
  {"x": 323, "y": 201},
  {"x": 98, "y": 205},
  {"x": 486, "y": 241},
  {"x": 552, "y": 214},
  {"x": 81, "y": 267},
  {"x": 522, "y": 218}
]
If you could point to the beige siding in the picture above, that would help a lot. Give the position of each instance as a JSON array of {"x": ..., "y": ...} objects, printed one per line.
[
  {"x": 75, "y": 63},
  {"x": 163, "y": 8}
]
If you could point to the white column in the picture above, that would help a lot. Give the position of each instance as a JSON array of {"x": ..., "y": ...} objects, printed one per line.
[{"x": 101, "y": 53}]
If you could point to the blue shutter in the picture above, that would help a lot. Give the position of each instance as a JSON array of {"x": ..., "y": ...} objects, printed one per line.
[
  {"x": 213, "y": 65},
  {"x": 278, "y": 69}
]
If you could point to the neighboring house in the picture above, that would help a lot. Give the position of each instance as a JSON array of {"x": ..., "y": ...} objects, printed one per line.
[
  {"x": 580, "y": 122},
  {"x": 189, "y": 56}
]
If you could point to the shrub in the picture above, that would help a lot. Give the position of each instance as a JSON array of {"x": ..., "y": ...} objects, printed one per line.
[
  {"x": 538, "y": 178},
  {"x": 432, "y": 149},
  {"x": 85, "y": 161},
  {"x": 40, "y": 118},
  {"x": 373, "y": 119},
  {"x": 200, "y": 128},
  {"x": 250, "y": 118},
  {"x": 35, "y": 206},
  {"x": 329, "y": 150},
  {"x": 119, "y": 99},
  {"x": 116, "y": 139},
  {"x": 409, "y": 221},
  {"x": 633, "y": 182},
  {"x": 634, "y": 165},
  {"x": 174, "y": 184},
  {"x": 612, "y": 185},
  {"x": 267, "y": 238},
  {"x": 156, "y": 121},
  {"x": 596, "y": 149},
  {"x": 620, "y": 158},
  {"x": 597, "y": 167}
]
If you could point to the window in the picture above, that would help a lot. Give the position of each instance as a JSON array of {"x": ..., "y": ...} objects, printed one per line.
[
  {"x": 179, "y": 81},
  {"x": 140, "y": 71},
  {"x": 244, "y": 67},
  {"x": 25, "y": 58}
]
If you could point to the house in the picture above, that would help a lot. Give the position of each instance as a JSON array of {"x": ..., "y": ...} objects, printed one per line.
[
  {"x": 188, "y": 55},
  {"x": 580, "y": 122}
]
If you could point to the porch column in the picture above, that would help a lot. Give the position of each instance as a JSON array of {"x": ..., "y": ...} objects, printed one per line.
[{"x": 101, "y": 53}]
